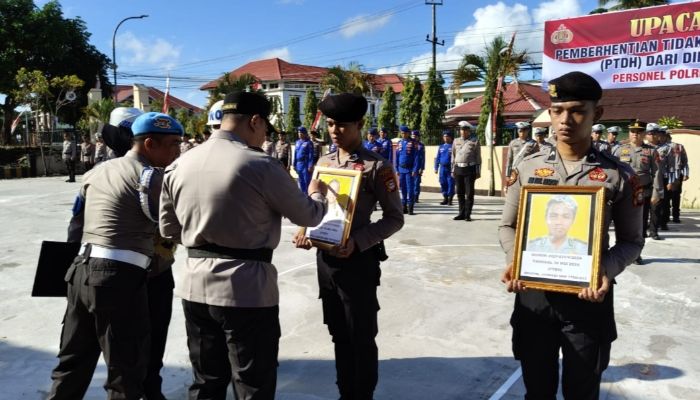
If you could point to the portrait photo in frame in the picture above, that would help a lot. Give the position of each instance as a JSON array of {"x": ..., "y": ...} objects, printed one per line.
[
  {"x": 559, "y": 237},
  {"x": 343, "y": 187}
]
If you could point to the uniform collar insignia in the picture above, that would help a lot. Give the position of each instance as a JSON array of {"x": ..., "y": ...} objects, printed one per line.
[{"x": 552, "y": 155}]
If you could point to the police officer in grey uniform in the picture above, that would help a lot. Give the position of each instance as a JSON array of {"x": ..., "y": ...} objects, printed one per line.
[
  {"x": 283, "y": 151},
  {"x": 560, "y": 215},
  {"x": 613, "y": 144},
  {"x": 466, "y": 169},
  {"x": 224, "y": 200},
  {"x": 69, "y": 155},
  {"x": 645, "y": 162},
  {"x": 657, "y": 139},
  {"x": 517, "y": 146},
  {"x": 582, "y": 326},
  {"x": 533, "y": 146},
  {"x": 596, "y": 134},
  {"x": 348, "y": 276},
  {"x": 680, "y": 172},
  {"x": 107, "y": 298}
]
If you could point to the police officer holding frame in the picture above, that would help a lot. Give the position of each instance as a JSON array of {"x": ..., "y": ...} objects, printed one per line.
[
  {"x": 107, "y": 298},
  {"x": 582, "y": 326},
  {"x": 348, "y": 276},
  {"x": 224, "y": 200}
]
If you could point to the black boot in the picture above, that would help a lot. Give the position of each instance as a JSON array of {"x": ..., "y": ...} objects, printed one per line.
[
  {"x": 444, "y": 201},
  {"x": 462, "y": 209},
  {"x": 468, "y": 214},
  {"x": 410, "y": 210},
  {"x": 405, "y": 209},
  {"x": 450, "y": 201}
]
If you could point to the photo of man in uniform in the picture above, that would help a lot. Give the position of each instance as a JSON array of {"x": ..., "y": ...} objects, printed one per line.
[{"x": 560, "y": 215}]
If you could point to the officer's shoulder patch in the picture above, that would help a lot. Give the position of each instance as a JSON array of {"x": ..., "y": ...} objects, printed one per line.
[
  {"x": 387, "y": 176},
  {"x": 512, "y": 178}
]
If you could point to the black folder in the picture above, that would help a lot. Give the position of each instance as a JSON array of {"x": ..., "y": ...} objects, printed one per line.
[{"x": 54, "y": 260}]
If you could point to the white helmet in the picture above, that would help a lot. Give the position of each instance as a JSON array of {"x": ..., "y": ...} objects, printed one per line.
[
  {"x": 598, "y": 128},
  {"x": 522, "y": 125},
  {"x": 465, "y": 124},
  {"x": 215, "y": 113},
  {"x": 124, "y": 116}
]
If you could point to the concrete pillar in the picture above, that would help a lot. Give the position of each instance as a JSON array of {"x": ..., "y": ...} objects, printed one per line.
[
  {"x": 94, "y": 95},
  {"x": 141, "y": 100}
]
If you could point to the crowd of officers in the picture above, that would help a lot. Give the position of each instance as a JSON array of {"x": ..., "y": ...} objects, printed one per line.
[
  {"x": 224, "y": 199},
  {"x": 660, "y": 165}
]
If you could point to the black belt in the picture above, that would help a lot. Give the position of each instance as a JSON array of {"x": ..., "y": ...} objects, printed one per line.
[{"x": 215, "y": 251}]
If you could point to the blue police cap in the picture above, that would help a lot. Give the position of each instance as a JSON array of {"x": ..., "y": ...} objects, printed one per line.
[
  {"x": 373, "y": 132},
  {"x": 404, "y": 128},
  {"x": 302, "y": 130},
  {"x": 384, "y": 129},
  {"x": 447, "y": 132},
  {"x": 159, "y": 123},
  {"x": 415, "y": 132}
]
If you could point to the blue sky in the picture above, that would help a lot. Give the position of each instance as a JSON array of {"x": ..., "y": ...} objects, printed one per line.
[{"x": 200, "y": 40}]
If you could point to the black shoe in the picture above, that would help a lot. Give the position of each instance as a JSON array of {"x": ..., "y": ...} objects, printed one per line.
[
  {"x": 444, "y": 201},
  {"x": 459, "y": 218},
  {"x": 450, "y": 201},
  {"x": 656, "y": 237},
  {"x": 416, "y": 201},
  {"x": 468, "y": 219},
  {"x": 410, "y": 210},
  {"x": 639, "y": 261},
  {"x": 676, "y": 221},
  {"x": 664, "y": 227},
  {"x": 405, "y": 209}
]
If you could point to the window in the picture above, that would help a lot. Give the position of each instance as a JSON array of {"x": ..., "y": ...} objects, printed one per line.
[
  {"x": 372, "y": 109},
  {"x": 274, "y": 85},
  {"x": 264, "y": 86}
]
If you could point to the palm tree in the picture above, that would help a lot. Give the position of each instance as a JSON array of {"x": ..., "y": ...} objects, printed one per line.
[
  {"x": 100, "y": 110},
  {"x": 229, "y": 83},
  {"x": 628, "y": 5},
  {"x": 350, "y": 80},
  {"x": 496, "y": 62}
]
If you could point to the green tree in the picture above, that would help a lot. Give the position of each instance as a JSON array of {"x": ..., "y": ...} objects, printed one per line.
[
  {"x": 411, "y": 96},
  {"x": 293, "y": 120},
  {"x": 310, "y": 107},
  {"x": 40, "y": 38},
  {"x": 350, "y": 80},
  {"x": 433, "y": 105},
  {"x": 670, "y": 122},
  {"x": 229, "y": 83},
  {"x": 95, "y": 113},
  {"x": 387, "y": 113},
  {"x": 496, "y": 62},
  {"x": 36, "y": 90}
]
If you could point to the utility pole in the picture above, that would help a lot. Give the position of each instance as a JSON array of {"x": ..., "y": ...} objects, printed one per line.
[{"x": 434, "y": 39}]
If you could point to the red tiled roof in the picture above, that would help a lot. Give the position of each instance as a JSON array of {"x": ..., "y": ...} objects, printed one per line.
[
  {"x": 275, "y": 69},
  {"x": 518, "y": 99},
  {"x": 125, "y": 92}
]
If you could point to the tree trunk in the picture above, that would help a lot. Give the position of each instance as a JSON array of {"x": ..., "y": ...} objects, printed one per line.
[{"x": 8, "y": 109}]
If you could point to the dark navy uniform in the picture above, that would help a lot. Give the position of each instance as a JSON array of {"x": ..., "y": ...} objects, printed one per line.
[
  {"x": 443, "y": 165},
  {"x": 303, "y": 161},
  {"x": 406, "y": 160}
]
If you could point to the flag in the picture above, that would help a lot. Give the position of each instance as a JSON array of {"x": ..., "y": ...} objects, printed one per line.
[
  {"x": 317, "y": 119},
  {"x": 166, "y": 97},
  {"x": 15, "y": 123}
]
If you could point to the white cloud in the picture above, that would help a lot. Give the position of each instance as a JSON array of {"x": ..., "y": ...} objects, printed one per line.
[
  {"x": 362, "y": 23},
  {"x": 132, "y": 51},
  {"x": 493, "y": 20},
  {"x": 280, "y": 52}
]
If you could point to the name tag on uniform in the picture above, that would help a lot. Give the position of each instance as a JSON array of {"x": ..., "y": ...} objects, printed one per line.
[{"x": 542, "y": 181}]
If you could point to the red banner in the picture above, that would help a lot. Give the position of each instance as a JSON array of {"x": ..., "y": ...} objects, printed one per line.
[{"x": 647, "y": 47}]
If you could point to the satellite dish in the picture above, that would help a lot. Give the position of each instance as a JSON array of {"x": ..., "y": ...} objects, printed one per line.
[{"x": 70, "y": 95}]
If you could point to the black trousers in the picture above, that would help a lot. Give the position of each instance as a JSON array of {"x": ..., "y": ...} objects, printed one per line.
[
  {"x": 539, "y": 333},
  {"x": 232, "y": 344},
  {"x": 70, "y": 165},
  {"x": 665, "y": 206},
  {"x": 464, "y": 187},
  {"x": 348, "y": 292},
  {"x": 160, "y": 308},
  {"x": 107, "y": 312},
  {"x": 675, "y": 200}
]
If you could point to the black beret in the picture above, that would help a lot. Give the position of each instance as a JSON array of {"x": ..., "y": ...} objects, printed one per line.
[
  {"x": 574, "y": 86},
  {"x": 247, "y": 103},
  {"x": 344, "y": 107}
]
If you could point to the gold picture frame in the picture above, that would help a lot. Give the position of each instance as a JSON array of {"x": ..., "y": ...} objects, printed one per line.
[
  {"x": 343, "y": 188},
  {"x": 559, "y": 237}
]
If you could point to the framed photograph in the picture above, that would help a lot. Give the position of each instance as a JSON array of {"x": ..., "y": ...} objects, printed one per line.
[
  {"x": 559, "y": 237},
  {"x": 343, "y": 187}
]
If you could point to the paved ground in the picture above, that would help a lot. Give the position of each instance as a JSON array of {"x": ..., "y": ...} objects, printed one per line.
[{"x": 444, "y": 330}]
